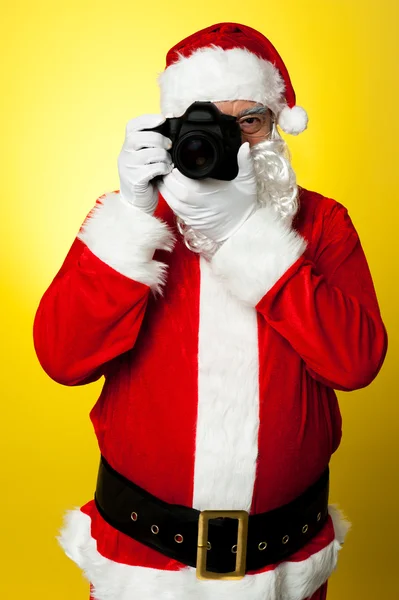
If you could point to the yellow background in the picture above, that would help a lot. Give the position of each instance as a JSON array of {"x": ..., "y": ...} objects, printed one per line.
[{"x": 74, "y": 74}]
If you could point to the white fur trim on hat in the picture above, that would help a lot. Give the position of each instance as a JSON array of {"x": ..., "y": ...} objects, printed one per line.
[{"x": 213, "y": 74}]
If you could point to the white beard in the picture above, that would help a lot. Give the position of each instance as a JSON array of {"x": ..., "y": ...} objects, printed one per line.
[
  {"x": 275, "y": 177},
  {"x": 276, "y": 182}
]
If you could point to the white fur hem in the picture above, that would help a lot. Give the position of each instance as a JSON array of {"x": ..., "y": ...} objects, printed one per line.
[
  {"x": 125, "y": 238},
  {"x": 117, "y": 581},
  {"x": 257, "y": 255}
]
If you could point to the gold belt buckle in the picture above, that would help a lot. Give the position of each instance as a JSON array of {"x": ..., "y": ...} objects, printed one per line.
[{"x": 203, "y": 523}]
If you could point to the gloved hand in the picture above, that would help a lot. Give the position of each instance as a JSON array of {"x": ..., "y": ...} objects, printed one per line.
[
  {"x": 143, "y": 156},
  {"x": 213, "y": 207}
]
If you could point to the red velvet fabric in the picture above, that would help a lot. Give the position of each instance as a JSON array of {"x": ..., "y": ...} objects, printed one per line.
[
  {"x": 325, "y": 305},
  {"x": 319, "y": 328},
  {"x": 73, "y": 336}
]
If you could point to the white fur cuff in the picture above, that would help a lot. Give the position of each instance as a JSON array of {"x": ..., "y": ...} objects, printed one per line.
[
  {"x": 125, "y": 238},
  {"x": 257, "y": 255}
]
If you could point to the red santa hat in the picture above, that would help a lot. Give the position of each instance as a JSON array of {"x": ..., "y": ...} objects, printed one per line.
[{"x": 229, "y": 61}]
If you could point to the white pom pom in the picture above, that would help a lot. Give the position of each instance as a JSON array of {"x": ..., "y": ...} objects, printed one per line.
[{"x": 293, "y": 120}]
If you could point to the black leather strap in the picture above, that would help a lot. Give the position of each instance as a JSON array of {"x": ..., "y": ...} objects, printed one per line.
[{"x": 285, "y": 529}]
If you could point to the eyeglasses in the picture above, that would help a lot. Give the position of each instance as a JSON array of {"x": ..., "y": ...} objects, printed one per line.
[{"x": 253, "y": 124}]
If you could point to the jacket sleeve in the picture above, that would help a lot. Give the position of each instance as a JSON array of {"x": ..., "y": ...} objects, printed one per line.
[
  {"x": 327, "y": 311},
  {"x": 94, "y": 307}
]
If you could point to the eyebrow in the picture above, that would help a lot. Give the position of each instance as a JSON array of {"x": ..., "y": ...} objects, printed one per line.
[{"x": 255, "y": 110}]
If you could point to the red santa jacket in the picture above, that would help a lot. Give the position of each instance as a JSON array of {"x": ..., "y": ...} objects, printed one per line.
[{"x": 219, "y": 377}]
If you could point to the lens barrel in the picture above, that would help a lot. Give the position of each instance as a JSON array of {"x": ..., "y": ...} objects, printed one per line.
[{"x": 197, "y": 154}]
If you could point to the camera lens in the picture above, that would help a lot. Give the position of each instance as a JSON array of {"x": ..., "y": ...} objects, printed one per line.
[{"x": 196, "y": 155}]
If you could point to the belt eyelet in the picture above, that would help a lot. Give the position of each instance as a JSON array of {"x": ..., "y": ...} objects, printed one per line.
[
  {"x": 319, "y": 516},
  {"x": 262, "y": 546},
  {"x": 155, "y": 529},
  {"x": 178, "y": 538},
  {"x": 305, "y": 528},
  {"x": 285, "y": 539},
  {"x": 134, "y": 516},
  {"x": 234, "y": 549},
  {"x": 208, "y": 546}
]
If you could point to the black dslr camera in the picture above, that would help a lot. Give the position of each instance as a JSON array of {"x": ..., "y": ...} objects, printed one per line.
[{"x": 205, "y": 142}]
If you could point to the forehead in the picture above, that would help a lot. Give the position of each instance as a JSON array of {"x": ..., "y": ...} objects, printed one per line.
[{"x": 235, "y": 107}]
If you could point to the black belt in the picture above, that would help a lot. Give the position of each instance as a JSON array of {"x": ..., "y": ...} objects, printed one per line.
[{"x": 221, "y": 544}]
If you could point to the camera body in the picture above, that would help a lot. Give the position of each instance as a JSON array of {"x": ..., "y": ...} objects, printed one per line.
[{"x": 205, "y": 142}]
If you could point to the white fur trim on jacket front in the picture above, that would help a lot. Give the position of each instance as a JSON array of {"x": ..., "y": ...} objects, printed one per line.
[
  {"x": 257, "y": 255},
  {"x": 213, "y": 74},
  {"x": 125, "y": 238},
  {"x": 117, "y": 581},
  {"x": 227, "y": 429}
]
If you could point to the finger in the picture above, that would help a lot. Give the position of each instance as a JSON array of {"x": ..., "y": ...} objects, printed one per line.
[
  {"x": 245, "y": 162},
  {"x": 148, "y": 156},
  {"x": 190, "y": 184},
  {"x": 144, "y": 122},
  {"x": 146, "y": 139},
  {"x": 165, "y": 193},
  {"x": 174, "y": 187},
  {"x": 162, "y": 188},
  {"x": 199, "y": 190},
  {"x": 155, "y": 170}
]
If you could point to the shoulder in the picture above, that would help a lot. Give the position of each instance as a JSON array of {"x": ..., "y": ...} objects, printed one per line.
[
  {"x": 321, "y": 219},
  {"x": 316, "y": 210},
  {"x": 314, "y": 204}
]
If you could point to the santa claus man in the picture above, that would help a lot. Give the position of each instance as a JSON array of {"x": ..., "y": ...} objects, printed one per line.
[{"x": 222, "y": 314}]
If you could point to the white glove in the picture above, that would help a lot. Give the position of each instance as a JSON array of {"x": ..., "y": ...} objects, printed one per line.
[
  {"x": 143, "y": 156},
  {"x": 213, "y": 207}
]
